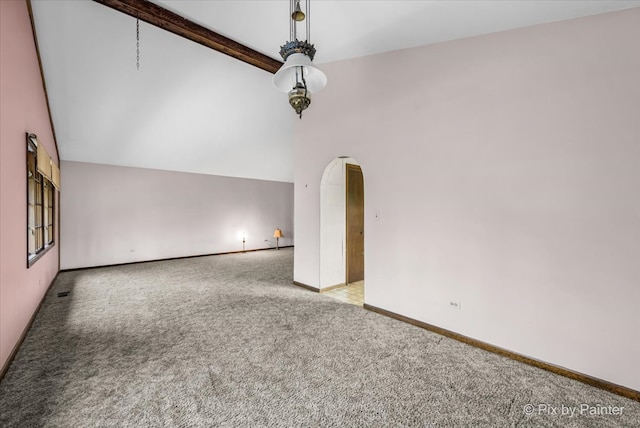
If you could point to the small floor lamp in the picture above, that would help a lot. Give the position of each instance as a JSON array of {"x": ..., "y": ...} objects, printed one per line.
[{"x": 277, "y": 234}]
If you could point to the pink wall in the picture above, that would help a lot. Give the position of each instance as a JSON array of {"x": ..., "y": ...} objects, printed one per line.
[
  {"x": 505, "y": 169},
  {"x": 116, "y": 214},
  {"x": 22, "y": 109}
]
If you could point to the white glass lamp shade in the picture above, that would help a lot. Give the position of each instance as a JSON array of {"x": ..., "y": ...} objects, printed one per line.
[{"x": 285, "y": 78}]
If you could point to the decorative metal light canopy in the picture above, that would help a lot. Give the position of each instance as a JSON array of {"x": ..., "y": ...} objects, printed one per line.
[{"x": 298, "y": 75}]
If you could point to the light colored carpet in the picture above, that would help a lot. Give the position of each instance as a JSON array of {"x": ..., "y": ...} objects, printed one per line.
[{"x": 228, "y": 341}]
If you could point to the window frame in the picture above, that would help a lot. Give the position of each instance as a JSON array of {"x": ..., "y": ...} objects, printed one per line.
[{"x": 44, "y": 206}]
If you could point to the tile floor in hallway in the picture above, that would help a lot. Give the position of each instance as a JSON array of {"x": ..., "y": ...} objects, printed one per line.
[{"x": 352, "y": 293}]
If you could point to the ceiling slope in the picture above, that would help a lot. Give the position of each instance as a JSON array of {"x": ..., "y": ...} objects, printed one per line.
[
  {"x": 187, "y": 108},
  {"x": 170, "y": 21},
  {"x": 192, "y": 109}
]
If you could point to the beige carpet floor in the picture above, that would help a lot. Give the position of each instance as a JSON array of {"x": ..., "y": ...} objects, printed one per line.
[{"x": 228, "y": 341}]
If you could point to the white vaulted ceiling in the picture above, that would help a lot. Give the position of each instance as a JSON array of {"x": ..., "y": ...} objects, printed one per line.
[{"x": 189, "y": 108}]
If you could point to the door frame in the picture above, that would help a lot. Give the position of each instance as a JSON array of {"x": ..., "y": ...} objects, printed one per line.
[{"x": 332, "y": 244}]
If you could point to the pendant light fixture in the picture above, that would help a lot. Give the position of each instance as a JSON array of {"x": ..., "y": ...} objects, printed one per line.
[{"x": 298, "y": 75}]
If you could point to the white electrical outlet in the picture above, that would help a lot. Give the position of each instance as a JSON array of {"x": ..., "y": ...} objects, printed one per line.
[{"x": 455, "y": 305}]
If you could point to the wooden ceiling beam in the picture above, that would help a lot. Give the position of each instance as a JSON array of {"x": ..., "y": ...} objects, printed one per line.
[{"x": 176, "y": 24}]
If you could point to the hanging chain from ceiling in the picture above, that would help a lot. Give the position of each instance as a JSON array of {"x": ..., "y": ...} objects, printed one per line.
[{"x": 137, "y": 43}]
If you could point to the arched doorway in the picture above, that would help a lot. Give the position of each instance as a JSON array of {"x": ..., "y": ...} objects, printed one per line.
[{"x": 342, "y": 229}]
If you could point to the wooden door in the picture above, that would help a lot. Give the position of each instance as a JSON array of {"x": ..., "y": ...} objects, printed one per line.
[{"x": 355, "y": 223}]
